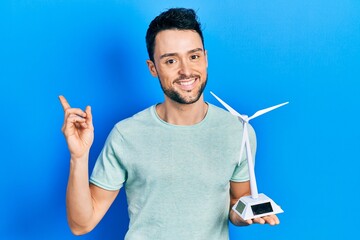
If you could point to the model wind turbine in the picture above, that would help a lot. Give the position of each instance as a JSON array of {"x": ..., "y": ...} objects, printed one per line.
[{"x": 256, "y": 205}]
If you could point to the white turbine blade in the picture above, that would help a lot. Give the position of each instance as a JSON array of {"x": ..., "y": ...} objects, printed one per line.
[
  {"x": 263, "y": 111},
  {"x": 230, "y": 109}
]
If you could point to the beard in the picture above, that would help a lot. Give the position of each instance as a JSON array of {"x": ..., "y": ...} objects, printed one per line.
[{"x": 176, "y": 95}]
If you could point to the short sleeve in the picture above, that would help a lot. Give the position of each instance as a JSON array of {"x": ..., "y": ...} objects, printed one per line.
[
  {"x": 109, "y": 172},
  {"x": 241, "y": 172}
]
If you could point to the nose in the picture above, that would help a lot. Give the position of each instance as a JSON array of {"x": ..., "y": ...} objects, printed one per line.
[{"x": 185, "y": 68}]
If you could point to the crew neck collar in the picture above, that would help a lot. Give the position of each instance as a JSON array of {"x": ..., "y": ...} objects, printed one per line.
[{"x": 161, "y": 121}]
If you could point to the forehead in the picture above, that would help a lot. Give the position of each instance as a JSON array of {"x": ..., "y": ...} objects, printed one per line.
[{"x": 176, "y": 41}]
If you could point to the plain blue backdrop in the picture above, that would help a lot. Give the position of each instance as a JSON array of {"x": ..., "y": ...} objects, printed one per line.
[{"x": 260, "y": 53}]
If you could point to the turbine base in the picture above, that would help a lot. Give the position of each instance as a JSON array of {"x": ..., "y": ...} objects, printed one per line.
[{"x": 249, "y": 208}]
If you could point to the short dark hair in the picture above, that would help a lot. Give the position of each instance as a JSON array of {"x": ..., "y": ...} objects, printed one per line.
[{"x": 173, "y": 18}]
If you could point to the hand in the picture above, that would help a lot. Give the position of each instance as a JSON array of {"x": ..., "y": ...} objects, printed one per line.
[
  {"x": 78, "y": 129},
  {"x": 237, "y": 220},
  {"x": 270, "y": 219}
]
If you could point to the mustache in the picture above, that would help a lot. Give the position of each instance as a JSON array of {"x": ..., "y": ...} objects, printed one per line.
[{"x": 184, "y": 77}]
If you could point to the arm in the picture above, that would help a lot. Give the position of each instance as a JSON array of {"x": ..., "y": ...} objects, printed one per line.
[
  {"x": 85, "y": 204},
  {"x": 238, "y": 190}
]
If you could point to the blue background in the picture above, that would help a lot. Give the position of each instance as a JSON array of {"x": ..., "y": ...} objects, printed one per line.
[{"x": 260, "y": 53}]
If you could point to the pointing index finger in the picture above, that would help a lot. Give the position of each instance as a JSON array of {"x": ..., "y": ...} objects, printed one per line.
[{"x": 64, "y": 102}]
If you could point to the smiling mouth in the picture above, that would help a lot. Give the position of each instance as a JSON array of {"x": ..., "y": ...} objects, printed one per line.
[{"x": 187, "y": 83}]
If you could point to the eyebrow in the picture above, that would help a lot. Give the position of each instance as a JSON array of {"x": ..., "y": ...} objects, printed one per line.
[{"x": 174, "y": 54}]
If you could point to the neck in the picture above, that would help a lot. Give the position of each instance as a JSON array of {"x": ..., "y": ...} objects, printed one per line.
[{"x": 182, "y": 114}]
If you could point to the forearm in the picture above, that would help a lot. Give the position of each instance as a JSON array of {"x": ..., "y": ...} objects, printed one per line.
[{"x": 79, "y": 204}]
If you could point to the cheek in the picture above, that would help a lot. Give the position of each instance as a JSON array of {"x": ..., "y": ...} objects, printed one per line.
[
  {"x": 167, "y": 75},
  {"x": 203, "y": 69},
  {"x": 205, "y": 64},
  {"x": 201, "y": 66}
]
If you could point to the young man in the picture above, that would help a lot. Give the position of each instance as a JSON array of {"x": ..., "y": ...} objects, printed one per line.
[{"x": 177, "y": 160}]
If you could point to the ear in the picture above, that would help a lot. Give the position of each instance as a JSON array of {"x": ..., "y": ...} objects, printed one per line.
[
  {"x": 152, "y": 68},
  {"x": 206, "y": 58}
]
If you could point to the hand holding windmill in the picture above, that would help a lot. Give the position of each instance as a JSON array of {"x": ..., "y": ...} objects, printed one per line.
[{"x": 256, "y": 205}]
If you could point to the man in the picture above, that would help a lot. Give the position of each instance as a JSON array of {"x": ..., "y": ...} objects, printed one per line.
[{"x": 177, "y": 159}]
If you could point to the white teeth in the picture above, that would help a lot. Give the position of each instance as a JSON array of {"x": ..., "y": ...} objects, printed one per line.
[{"x": 187, "y": 83}]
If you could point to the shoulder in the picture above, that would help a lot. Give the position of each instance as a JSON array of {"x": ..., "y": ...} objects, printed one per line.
[
  {"x": 136, "y": 124},
  {"x": 218, "y": 115},
  {"x": 140, "y": 118},
  {"x": 225, "y": 119},
  {"x": 130, "y": 127}
]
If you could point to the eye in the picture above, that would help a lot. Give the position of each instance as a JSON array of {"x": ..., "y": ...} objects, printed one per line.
[
  {"x": 194, "y": 57},
  {"x": 170, "y": 61}
]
